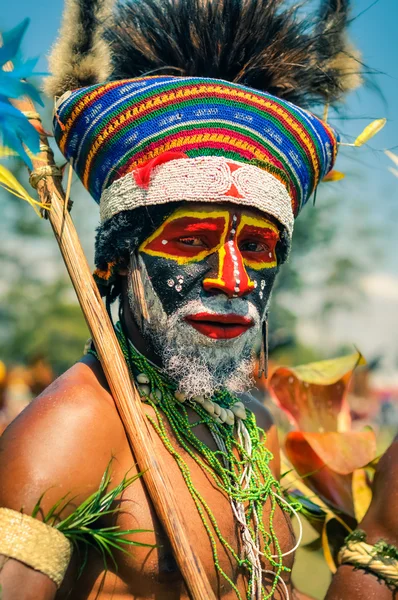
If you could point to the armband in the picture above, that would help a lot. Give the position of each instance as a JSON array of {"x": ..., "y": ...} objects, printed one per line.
[
  {"x": 35, "y": 544},
  {"x": 381, "y": 559}
]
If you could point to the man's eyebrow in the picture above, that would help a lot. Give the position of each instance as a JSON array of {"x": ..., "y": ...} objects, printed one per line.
[
  {"x": 263, "y": 230},
  {"x": 201, "y": 226}
]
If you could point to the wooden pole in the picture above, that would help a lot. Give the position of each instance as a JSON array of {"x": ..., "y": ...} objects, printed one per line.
[{"x": 124, "y": 392}]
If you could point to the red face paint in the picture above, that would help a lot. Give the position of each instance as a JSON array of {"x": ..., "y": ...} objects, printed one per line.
[
  {"x": 225, "y": 243},
  {"x": 220, "y": 326}
]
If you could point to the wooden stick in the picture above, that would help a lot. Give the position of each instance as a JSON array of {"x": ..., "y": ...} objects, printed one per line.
[{"x": 124, "y": 392}]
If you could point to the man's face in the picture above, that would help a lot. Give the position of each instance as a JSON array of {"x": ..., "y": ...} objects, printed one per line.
[{"x": 208, "y": 273}]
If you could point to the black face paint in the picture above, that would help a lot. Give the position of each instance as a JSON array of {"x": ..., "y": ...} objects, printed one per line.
[
  {"x": 175, "y": 284},
  {"x": 198, "y": 254}
]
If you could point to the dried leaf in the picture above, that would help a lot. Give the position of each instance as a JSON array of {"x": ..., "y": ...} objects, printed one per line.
[
  {"x": 329, "y": 538},
  {"x": 370, "y": 131},
  {"x": 333, "y": 176},
  {"x": 361, "y": 493}
]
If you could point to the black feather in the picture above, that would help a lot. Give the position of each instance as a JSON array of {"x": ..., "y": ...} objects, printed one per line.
[{"x": 259, "y": 43}]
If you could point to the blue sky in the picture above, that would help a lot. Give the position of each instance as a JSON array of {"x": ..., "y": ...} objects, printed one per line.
[{"x": 367, "y": 196}]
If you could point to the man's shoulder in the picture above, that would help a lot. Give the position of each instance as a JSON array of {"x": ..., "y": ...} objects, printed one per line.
[
  {"x": 265, "y": 421},
  {"x": 263, "y": 416},
  {"x": 62, "y": 442}
]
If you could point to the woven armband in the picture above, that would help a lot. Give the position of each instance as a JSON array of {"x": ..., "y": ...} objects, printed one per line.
[
  {"x": 380, "y": 559},
  {"x": 35, "y": 544}
]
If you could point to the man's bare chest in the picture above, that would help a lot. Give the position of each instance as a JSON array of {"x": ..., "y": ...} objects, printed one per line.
[{"x": 146, "y": 570}]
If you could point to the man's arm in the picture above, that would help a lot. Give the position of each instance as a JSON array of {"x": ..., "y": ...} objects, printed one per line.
[
  {"x": 61, "y": 444},
  {"x": 380, "y": 522}
]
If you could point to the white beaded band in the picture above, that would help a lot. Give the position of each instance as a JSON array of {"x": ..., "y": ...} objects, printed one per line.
[{"x": 202, "y": 179}]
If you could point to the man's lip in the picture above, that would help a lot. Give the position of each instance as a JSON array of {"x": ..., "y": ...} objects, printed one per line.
[
  {"x": 230, "y": 319},
  {"x": 218, "y": 327}
]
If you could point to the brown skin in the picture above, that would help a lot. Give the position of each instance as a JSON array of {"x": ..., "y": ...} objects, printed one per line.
[
  {"x": 74, "y": 418},
  {"x": 79, "y": 407},
  {"x": 63, "y": 442}
]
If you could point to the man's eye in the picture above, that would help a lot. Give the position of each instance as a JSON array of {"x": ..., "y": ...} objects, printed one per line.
[
  {"x": 253, "y": 247},
  {"x": 192, "y": 241}
]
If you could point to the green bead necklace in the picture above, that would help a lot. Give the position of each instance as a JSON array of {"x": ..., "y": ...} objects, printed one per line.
[{"x": 229, "y": 465}]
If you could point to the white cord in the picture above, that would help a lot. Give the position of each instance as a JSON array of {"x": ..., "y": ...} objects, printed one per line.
[
  {"x": 281, "y": 580},
  {"x": 300, "y": 536}
]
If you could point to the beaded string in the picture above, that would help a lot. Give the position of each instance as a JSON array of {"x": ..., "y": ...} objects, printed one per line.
[{"x": 239, "y": 468}]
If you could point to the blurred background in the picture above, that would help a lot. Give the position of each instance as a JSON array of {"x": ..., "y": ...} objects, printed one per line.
[{"x": 338, "y": 292}]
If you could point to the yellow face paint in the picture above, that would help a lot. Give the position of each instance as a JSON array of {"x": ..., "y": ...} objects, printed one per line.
[{"x": 238, "y": 239}]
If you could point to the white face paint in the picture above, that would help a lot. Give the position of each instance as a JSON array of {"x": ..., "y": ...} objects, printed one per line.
[{"x": 199, "y": 365}]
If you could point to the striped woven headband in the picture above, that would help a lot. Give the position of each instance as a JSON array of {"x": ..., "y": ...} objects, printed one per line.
[{"x": 255, "y": 147}]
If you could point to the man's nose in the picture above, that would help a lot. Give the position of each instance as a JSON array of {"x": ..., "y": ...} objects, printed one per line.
[{"x": 232, "y": 278}]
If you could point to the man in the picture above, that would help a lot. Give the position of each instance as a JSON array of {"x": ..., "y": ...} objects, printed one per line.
[{"x": 198, "y": 180}]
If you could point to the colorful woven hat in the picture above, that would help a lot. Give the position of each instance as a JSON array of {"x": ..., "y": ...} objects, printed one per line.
[{"x": 155, "y": 140}]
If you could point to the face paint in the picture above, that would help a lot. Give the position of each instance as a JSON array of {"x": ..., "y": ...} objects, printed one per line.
[
  {"x": 201, "y": 252},
  {"x": 208, "y": 274}
]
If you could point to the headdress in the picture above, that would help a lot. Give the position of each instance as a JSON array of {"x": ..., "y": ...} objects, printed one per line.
[{"x": 199, "y": 102}]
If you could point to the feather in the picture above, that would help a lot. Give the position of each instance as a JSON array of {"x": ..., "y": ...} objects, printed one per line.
[
  {"x": 11, "y": 41},
  {"x": 138, "y": 287},
  {"x": 6, "y": 152},
  {"x": 15, "y": 129},
  {"x": 370, "y": 130},
  {"x": 80, "y": 56},
  {"x": 259, "y": 43},
  {"x": 393, "y": 171},
  {"x": 12, "y": 185},
  {"x": 392, "y": 156}
]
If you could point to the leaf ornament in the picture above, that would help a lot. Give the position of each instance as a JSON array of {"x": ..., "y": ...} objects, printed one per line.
[
  {"x": 7, "y": 152},
  {"x": 333, "y": 176},
  {"x": 370, "y": 131},
  {"x": 12, "y": 185},
  {"x": 16, "y": 131}
]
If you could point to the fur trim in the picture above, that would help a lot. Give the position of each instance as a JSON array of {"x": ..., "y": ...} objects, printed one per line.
[
  {"x": 80, "y": 57},
  {"x": 259, "y": 43}
]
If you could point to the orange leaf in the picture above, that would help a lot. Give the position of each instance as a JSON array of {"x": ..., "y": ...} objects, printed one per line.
[
  {"x": 326, "y": 461},
  {"x": 313, "y": 395},
  {"x": 341, "y": 452},
  {"x": 331, "y": 487}
]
